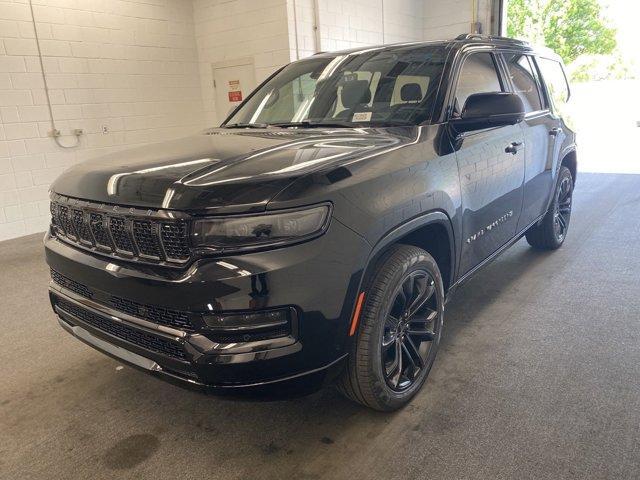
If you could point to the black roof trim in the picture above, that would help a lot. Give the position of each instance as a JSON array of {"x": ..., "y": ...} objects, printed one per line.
[
  {"x": 491, "y": 39},
  {"x": 461, "y": 41}
]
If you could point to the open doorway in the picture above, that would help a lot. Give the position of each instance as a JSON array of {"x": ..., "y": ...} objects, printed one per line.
[{"x": 598, "y": 42}]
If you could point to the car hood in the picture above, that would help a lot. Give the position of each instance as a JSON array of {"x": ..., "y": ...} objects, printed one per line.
[{"x": 221, "y": 170}]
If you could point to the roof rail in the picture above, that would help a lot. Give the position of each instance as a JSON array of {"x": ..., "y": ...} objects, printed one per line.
[{"x": 479, "y": 36}]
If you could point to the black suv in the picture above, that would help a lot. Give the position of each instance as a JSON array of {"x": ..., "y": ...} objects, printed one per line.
[{"x": 318, "y": 232}]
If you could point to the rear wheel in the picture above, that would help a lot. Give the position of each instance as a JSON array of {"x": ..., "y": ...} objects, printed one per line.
[
  {"x": 399, "y": 333},
  {"x": 550, "y": 233}
]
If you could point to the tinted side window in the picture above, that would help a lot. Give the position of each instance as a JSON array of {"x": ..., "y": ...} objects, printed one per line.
[
  {"x": 478, "y": 75},
  {"x": 523, "y": 76},
  {"x": 555, "y": 81}
]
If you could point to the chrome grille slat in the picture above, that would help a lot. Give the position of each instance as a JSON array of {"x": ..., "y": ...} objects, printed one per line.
[{"x": 146, "y": 236}]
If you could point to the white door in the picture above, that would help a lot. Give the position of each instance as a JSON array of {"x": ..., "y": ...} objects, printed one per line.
[{"x": 232, "y": 84}]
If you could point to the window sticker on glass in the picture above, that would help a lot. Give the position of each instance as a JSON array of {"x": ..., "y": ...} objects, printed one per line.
[{"x": 361, "y": 117}]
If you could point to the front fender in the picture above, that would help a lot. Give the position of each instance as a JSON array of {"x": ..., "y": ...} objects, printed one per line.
[
  {"x": 435, "y": 217},
  {"x": 397, "y": 234}
]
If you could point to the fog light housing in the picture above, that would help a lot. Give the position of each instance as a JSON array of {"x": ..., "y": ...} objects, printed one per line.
[
  {"x": 254, "y": 326},
  {"x": 236, "y": 322}
]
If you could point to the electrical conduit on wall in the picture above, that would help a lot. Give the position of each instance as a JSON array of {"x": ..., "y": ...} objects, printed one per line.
[{"x": 54, "y": 133}]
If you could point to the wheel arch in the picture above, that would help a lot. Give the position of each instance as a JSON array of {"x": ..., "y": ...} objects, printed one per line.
[
  {"x": 570, "y": 160},
  {"x": 432, "y": 231}
]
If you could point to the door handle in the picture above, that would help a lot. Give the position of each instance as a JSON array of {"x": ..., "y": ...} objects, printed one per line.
[
  {"x": 513, "y": 148},
  {"x": 555, "y": 131}
]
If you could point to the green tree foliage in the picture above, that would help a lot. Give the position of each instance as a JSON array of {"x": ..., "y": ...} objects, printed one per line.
[
  {"x": 570, "y": 27},
  {"x": 600, "y": 67}
]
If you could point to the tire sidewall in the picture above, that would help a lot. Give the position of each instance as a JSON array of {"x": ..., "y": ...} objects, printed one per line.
[
  {"x": 563, "y": 173},
  {"x": 391, "y": 399}
]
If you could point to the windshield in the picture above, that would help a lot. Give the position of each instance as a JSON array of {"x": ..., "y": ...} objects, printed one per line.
[{"x": 384, "y": 87}]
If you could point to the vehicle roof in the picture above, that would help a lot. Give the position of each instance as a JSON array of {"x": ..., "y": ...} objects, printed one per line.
[{"x": 458, "y": 43}]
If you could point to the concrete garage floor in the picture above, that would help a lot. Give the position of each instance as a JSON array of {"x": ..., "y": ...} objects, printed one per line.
[{"x": 538, "y": 377}]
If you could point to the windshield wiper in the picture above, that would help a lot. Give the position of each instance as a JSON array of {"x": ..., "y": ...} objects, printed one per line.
[
  {"x": 309, "y": 124},
  {"x": 312, "y": 124},
  {"x": 246, "y": 125},
  {"x": 374, "y": 124},
  {"x": 392, "y": 123}
]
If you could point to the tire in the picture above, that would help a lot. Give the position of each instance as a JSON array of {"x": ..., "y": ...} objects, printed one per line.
[
  {"x": 374, "y": 374},
  {"x": 551, "y": 231}
]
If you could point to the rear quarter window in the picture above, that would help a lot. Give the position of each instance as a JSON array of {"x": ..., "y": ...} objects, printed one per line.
[{"x": 555, "y": 80}]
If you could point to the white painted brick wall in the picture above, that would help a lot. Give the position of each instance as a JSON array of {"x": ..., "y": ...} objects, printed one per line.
[
  {"x": 446, "y": 19},
  {"x": 347, "y": 24},
  {"x": 144, "y": 69},
  {"x": 301, "y": 24},
  {"x": 233, "y": 29},
  {"x": 403, "y": 20},
  {"x": 131, "y": 65}
]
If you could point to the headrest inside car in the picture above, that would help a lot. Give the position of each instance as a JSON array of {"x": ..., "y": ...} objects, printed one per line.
[
  {"x": 411, "y": 92},
  {"x": 355, "y": 92}
]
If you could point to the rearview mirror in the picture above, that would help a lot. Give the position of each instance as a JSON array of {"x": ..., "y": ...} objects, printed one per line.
[{"x": 486, "y": 110}]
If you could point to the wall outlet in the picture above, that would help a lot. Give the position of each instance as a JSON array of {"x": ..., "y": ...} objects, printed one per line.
[{"x": 105, "y": 129}]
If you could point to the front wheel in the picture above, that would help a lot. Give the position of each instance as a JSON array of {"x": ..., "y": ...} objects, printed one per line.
[
  {"x": 399, "y": 333},
  {"x": 550, "y": 233}
]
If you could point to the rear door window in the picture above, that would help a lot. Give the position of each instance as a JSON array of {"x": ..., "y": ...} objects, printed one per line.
[{"x": 523, "y": 76}]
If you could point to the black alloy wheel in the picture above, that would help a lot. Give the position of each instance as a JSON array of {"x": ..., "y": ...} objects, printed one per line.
[
  {"x": 551, "y": 231},
  {"x": 399, "y": 330},
  {"x": 410, "y": 327},
  {"x": 562, "y": 213}
]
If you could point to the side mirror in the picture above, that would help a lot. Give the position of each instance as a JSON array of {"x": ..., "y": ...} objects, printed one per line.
[{"x": 486, "y": 110}]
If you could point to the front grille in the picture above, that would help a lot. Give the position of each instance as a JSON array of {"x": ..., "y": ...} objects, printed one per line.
[
  {"x": 100, "y": 233},
  {"x": 120, "y": 235},
  {"x": 145, "y": 236},
  {"x": 172, "y": 235},
  {"x": 72, "y": 285},
  {"x": 53, "y": 208},
  {"x": 81, "y": 227},
  {"x": 137, "y": 337},
  {"x": 152, "y": 313},
  {"x": 65, "y": 222}
]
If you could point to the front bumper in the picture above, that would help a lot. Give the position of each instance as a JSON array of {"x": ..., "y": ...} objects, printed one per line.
[{"x": 318, "y": 280}]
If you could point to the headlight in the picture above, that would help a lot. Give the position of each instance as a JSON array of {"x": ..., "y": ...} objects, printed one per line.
[{"x": 255, "y": 231}]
